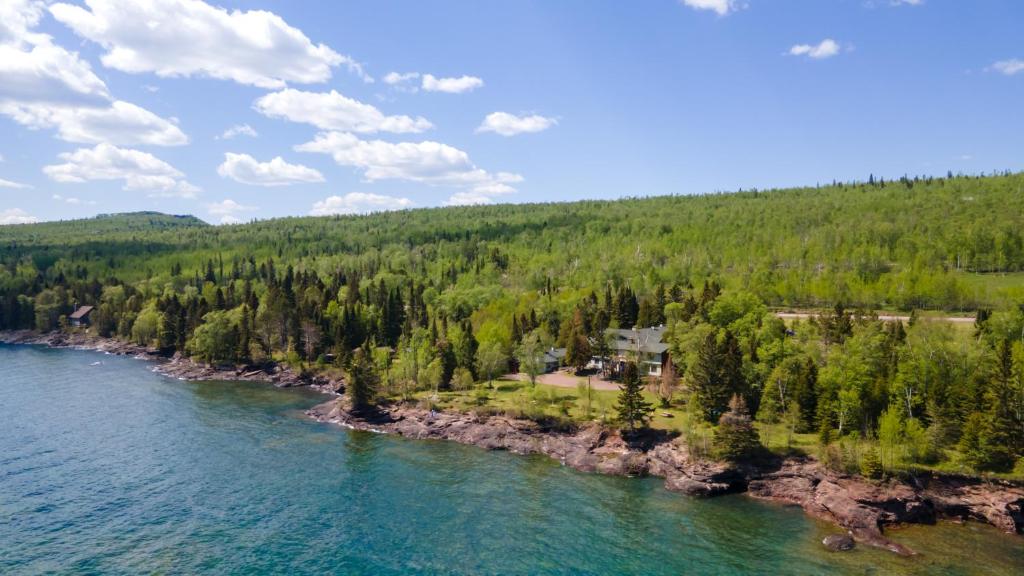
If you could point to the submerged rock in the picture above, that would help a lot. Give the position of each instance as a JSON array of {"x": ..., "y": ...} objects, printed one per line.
[{"x": 838, "y": 542}]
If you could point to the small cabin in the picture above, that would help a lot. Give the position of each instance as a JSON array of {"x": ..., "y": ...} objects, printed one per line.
[
  {"x": 80, "y": 317},
  {"x": 553, "y": 358}
]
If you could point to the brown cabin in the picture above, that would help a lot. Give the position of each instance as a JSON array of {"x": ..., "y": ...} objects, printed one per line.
[{"x": 80, "y": 317}]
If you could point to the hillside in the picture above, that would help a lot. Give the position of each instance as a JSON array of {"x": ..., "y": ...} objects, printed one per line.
[
  {"x": 951, "y": 244},
  {"x": 430, "y": 305}
]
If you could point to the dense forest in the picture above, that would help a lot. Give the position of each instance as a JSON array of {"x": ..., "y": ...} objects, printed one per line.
[{"x": 445, "y": 298}]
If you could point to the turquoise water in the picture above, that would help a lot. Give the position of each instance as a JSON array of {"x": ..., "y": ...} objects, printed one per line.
[{"x": 113, "y": 469}]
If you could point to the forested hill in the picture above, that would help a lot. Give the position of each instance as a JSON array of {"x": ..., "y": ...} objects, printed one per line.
[
  {"x": 944, "y": 243},
  {"x": 99, "y": 228},
  {"x": 442, "y": 299}
]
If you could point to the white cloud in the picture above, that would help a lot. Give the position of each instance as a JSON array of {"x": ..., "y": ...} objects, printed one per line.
[
  {"x": 907, "y": 2},
  {"x": 824, "y": 49},
  {"x": 393, "y": 78},
  {"x": 334, "y": 111},
  {"x": 35, "y": 69},
  {"x": 1009, "y": 67},
  {"x": 509, "y": 124},
  {"x": 247, "y": 170},
  {"x": 73, "y": 200},
  {"x": 468, "y": 199},
  {"x": 227, "y": 209},
  {"x": 140, "y": 171},
  {"x": 121, "y": 123},
  {"x": 14, "y": 185},
  {"x": 426, "y": 162},
  {"x": 193, "y": 38},
  {"x": 358, "y": 203},
  {"x": 451, "y": 85},
  {"x": 16, "y": 216},
  {"x": 238, "y": 130},
  {"x": 228, "y": 206},
  {"x": 42, "y": 85},
  {"x": 720, "y": 7}
]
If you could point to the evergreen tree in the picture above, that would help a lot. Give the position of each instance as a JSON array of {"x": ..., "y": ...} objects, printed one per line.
[
  {"x": 363, "y": 381},
  {"x": 707, "y": 379},
  {"x": 736, "y": 438},
  {"x": 633, "y": 410}
]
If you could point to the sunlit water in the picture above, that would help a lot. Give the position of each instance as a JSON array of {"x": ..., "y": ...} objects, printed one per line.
[{"x": 109, "y": 468}]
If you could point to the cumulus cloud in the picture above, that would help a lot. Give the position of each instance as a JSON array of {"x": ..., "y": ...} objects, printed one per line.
[
  {"x": 192, "y": 38},
  {"x": 227, "y": 210},
  {"x": 358, "y": 203},
  {"x": 402, "y": 81},
  {"x": 824, "y": 49},
  {"x": 334, "y": 111},
  {"x": 451, "y": 85},
  {"x": 16, "y": 216},
  {"x": 426, "y": 162},
  {"x": 720, "y": 7},
  {"x": 509, "y": 124},
  {"x": 140, "y": 171},
  {"x": 122, "y": 123},
  {"x": 247, "y": 170},
  {"x": 238, "y": 130},
  {"x": 42, "y": 85},
  {"x": 1009, "y": 67}
]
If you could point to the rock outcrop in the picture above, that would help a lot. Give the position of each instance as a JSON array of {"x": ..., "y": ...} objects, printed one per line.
[{"x": 864, "y": 508}]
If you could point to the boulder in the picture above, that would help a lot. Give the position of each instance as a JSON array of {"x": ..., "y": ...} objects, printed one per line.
[{"x": 838, "y": 542}]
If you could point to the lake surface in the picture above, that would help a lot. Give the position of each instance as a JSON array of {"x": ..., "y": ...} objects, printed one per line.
[{"x": 108, "y": 468}]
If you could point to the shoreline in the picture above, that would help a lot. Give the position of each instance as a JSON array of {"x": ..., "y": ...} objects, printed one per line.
[
  {"x": 864, "y": 509},
  {"x": 175, "y": 366}
]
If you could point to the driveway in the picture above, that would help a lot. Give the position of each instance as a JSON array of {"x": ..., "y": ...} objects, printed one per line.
[{"x": 569, "y": 380}]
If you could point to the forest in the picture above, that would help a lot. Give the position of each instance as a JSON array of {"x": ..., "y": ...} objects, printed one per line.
[{"x": 449, "y": 299}]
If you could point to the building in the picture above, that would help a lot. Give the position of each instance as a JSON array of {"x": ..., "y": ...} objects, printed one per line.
[
  {"x": 80, "y": 317},
  {"x": 553, "y": 359},
  {"x": 645, "y": 346}
]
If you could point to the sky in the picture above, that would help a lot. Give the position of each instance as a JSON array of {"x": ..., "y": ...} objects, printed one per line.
[{"x": 235, "y": 110}]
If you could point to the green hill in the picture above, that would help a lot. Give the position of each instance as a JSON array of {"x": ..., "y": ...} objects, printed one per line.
[{"x": 427, "y": 303}]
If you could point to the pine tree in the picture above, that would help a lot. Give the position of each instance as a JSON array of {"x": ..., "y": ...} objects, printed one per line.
[
  {"x": 736, "y": 438},
  {"x": 706, "y": 377},
  {"x": 632, "y": 408},
  {"x": 871, "y": 464},
  {"x": 362, "y": 385}
]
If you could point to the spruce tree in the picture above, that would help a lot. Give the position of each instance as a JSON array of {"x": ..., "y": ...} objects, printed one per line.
[
  {"x": 736, "y": 438},
  {"x": 362, "y": 385},
  {"x": 632, "y": 408},
  {"x": 706, "y": 377}
]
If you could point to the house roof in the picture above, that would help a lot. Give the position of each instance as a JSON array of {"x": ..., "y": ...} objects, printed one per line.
[
  {"x": 82, "y": 312},
  {"x": 648, "y": 340},
  {"x": 554, "y": 354}
]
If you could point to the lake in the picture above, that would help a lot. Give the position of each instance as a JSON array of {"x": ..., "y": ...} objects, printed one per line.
[{"x": 109, "y": 468}]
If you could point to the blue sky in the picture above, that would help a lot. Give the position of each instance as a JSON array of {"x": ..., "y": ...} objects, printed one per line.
[{"x": 341, "y": 107}]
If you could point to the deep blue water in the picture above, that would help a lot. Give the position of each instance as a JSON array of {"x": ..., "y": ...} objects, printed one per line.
[{"x": 112, "y": 469}]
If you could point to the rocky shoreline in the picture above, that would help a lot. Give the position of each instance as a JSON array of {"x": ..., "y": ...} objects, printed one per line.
[
  {"x": 861, "y": 507},
  {"x": 176, "y": 366}
]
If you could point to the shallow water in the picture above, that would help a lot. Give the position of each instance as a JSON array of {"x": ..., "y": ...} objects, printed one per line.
[{"x": 113, "y": 469}]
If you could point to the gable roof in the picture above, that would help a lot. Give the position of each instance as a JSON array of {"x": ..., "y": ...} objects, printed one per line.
[
  {"x": 648, "y": 340},
  {"x": 82, "y": 312},
  {"x": 554, "y": 355}
]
